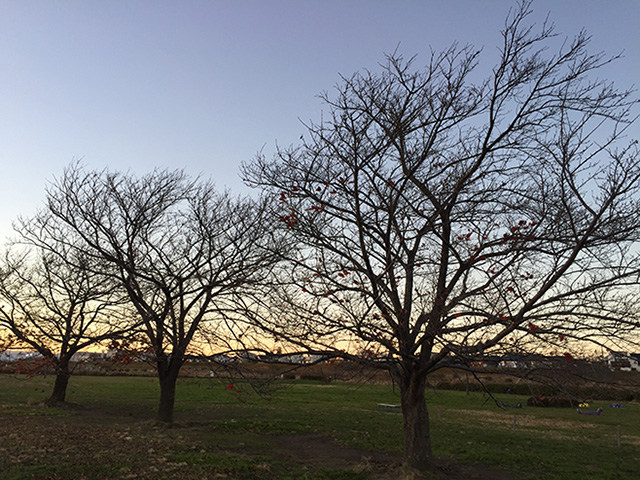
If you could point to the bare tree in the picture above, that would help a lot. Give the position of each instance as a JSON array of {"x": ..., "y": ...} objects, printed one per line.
[
  {"x": 57, "y": 308},
  {"x": 437, "y": 219},
  {"x": 6, "y": 340},
  {"x": 177, "y": 247}
]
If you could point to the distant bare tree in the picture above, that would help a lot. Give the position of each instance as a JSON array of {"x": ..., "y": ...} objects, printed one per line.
[
  {"x": 177, "y": 247},
  {"x": 57, "y": 308},
  {"x": 6, "y": 340},
  {"x": 438, "y": 220}
]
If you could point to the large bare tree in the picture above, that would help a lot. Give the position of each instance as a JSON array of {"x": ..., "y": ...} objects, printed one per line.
[
  {"x": 438, "y": 217},
  {"x": 177, "y": 247},
  {"x": 50, "y": 303}
]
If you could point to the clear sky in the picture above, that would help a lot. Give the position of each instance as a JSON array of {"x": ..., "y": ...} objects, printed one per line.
[{"x": 205, "y": 84}]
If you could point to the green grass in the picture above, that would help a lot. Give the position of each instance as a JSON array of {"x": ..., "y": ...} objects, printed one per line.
[{"x": 222, "y": 432}]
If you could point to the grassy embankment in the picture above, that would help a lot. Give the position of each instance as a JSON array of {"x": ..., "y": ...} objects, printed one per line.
[{"x": 109, "y": 432}]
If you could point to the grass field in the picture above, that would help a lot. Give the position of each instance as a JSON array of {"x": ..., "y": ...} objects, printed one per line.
[{"x": 301, "y": 430}]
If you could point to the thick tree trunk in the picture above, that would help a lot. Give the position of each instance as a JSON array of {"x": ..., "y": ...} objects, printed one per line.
[
  {"x": 167, "y": 375},
  {"x": 417, "y": 439},
  {"x": 60, "y": 386}
]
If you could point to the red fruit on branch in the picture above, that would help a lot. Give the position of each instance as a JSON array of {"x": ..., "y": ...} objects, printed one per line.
[{"x": 290, "y": 220}]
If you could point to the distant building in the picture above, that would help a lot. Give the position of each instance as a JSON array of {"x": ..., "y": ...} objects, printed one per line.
[
  {"x": 625, "y": 362},
  {"x": 16, "y": 355},
  {"x": 89, "y": 357},
  {"x": 296, "y": 358},
  {"x": 287, "y": 358}
]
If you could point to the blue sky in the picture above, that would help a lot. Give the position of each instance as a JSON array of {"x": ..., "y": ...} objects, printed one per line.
[{"x": 204, "y": 85}]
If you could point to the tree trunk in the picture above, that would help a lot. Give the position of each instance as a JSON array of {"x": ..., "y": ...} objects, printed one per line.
[
  {"x": 168, "y": 371},
  {"x": 417, "y": 439},
  {"x": 60, "y": 386}
]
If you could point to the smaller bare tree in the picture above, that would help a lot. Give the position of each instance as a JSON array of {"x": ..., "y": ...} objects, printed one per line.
[
  {"x": 6, "y": 340},
  {"x": 176, "y": 246},
  {"x": 57, "y": 308}
]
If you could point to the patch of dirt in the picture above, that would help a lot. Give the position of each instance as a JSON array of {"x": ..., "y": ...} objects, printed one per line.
[
  {"x": 321, "y": 452},
  {"x": 458, "y": 471},
  {"x": 522, "y": 420}
]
